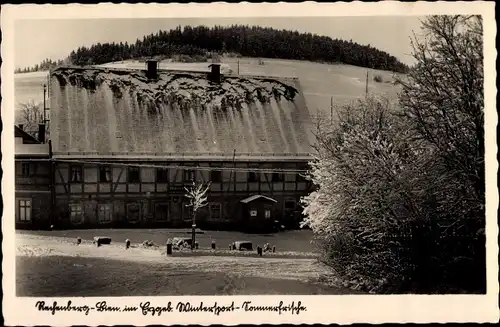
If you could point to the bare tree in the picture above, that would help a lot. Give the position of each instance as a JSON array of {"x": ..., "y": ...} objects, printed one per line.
[
  {"x": 196, "y": 194},
  {"x": 443, "y": 94},
  {"x": 30, "y": 115}
]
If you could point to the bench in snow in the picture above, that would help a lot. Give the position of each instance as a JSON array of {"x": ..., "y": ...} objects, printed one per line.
[{"x": 99, "y": 240}]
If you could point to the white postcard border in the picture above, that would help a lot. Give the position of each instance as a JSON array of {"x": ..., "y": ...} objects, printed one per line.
[{"x": 320, "y": 309}]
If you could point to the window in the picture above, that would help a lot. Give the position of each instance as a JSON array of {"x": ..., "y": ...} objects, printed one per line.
[
  {"x": 189, "y": 175},
  {"x": 215, "y": 211},
  {"x": 134, "y": 175},
  {"x": 24, "y": 210},
  {"x": 76, "y": 213},
  {"x": 161, "y": 211},
  {"x": 253, "y": 213},
  {"x": 133, "y": 212},
  {"x": 253, "y": 176},
  {"x": 216, "y": 176},
  {"x": 267, "y": 214},
  {"x": 75, "y": 174},
  {"x": 162, "y": 175},
  {"x": 27, "y": 169},
  {"x": 278, "y": 177},
  {"x": 104, "y": 213},
  {"x": 104, "y": 174}
]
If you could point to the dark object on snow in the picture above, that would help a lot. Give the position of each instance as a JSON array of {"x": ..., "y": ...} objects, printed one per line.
[
  {"x": 169, "y": 248},
  {"x": 78, "y": 241},
  {"x": 127, "y": 244},
  {"x": 259, "y": 251},
  {"x": 213, "y": 245},
  {"x": 274, "y": 248},
  {"x": 148, "y": 243},
  {"x": 100, "y": 240},
  {"x": 196, "y": 245},
  {"x": 243, "y": 246}
]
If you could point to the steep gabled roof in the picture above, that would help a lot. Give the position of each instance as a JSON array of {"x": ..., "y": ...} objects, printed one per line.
[
  {"x": 27, "y": 139},
  {"x": 102, "y": 110}
]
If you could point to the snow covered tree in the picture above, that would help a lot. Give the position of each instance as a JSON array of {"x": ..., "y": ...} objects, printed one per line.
[
  {"x": 196, "y": 194},
  {"x": 368, "y": 191},
  {"x": 400, "y": 199},
  {"x": 443, "y": 95}
]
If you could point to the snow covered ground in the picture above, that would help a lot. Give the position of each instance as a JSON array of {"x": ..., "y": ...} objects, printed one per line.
[
  {"x": 55, "y": 266},
  {"x": 284, "y": 268}
]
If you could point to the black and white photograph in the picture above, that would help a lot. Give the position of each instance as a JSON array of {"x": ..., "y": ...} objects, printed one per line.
[{"x": 247, "y": 156}]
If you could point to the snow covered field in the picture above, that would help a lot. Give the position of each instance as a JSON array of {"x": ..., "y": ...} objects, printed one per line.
[{"x": 56, "y": 266}]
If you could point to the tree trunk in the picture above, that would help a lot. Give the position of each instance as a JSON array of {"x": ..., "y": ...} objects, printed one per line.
[{"x": 193, "y": 230}]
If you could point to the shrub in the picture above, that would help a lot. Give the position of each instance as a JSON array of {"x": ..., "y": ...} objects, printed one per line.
[{"x": 378, "y": 78}]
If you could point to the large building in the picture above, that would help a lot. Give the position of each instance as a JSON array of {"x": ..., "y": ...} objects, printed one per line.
[
  {"x": 33, "y": 180},
  {"x": 127, "y": 142}
]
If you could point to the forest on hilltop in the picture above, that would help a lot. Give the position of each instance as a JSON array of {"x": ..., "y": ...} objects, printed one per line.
[
  {"x": 46, "y": 64},
  {"x": 248, "y": 41}
]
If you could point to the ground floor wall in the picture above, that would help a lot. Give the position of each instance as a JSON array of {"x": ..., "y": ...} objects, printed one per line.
[
  {"x": 32, "y": 209},
  {"x": 223, "y": 211}
]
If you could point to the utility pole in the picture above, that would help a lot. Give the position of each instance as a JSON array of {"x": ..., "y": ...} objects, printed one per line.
[
  {"x": 234, "y": 166},
  {"x": 238, "y": 66},
  {"x": 366, "y": 90},
  {"x": 331, "y": 110},
  {"x": 44, "y": 99},
  {"x": 193, "y": 225}
]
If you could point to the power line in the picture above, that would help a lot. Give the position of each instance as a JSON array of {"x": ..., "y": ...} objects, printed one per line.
[{"x": 203, "y": 168}]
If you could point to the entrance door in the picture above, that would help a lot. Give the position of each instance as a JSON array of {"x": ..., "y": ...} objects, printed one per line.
[{"x": 161, "y": 211}]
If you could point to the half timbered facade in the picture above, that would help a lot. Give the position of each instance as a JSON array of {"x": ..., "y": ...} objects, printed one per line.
[{"x": 113, "y": 193}]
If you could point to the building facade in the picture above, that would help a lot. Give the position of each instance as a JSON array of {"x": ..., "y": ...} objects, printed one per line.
[
  {"x": 148, "y": 193},
  {"x": 33, "y": 180}
]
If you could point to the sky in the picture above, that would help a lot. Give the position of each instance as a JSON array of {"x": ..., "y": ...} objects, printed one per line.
[{"x": 38, "y": 39}]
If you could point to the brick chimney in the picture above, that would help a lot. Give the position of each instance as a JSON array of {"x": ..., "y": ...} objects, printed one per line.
[
  {"x": 152, "y": 69},
  {"x": 21, "y": 127},
  {"x": 215, "y": 74},
  {"x": 41, "y": 133}
]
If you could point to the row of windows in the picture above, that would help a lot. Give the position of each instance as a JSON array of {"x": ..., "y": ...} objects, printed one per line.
[
  {"x": 28, "y": 169},
  {"x": 134, "y": 176},
  {"x": 105, "y": 212}
]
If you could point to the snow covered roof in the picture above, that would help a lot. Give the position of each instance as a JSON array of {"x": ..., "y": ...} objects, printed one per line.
[
  {"x": 31, "y": 150},
  {"x": 100, "y": 111},
  {"x": 257, "y": 196}
]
